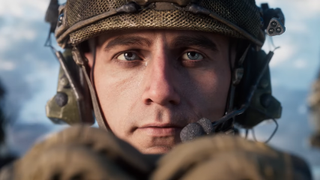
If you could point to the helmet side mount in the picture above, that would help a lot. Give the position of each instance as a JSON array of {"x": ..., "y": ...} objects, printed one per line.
[
  {"x": 71, "y": 104},
  {"x": 273, "y": 20}
]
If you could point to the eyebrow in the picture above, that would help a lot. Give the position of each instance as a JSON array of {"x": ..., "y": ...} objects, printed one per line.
[
  {"x": 197, "y": 40},
  {"x": 128, "y": 41}
]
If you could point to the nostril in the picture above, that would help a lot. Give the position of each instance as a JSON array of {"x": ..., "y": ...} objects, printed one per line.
[
  {"x": 173, "y": 102},
  {"x": 148, "y": 101},
  {"x": 164, "y": 95}
]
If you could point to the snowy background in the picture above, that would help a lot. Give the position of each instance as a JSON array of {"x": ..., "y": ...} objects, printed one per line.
[{"x": 29, "y": 73}]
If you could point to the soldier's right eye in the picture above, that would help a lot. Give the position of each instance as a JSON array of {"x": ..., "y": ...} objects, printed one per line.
[{"x": 128, "y": 56}]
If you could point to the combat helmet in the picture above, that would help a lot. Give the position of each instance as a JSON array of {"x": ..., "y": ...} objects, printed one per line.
[{"x": 250, "y": 98}]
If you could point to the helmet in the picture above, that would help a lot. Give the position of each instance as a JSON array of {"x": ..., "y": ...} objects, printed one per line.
[
  {"x": 250, "y": 99},
  {"x": 81, "y": 19}
]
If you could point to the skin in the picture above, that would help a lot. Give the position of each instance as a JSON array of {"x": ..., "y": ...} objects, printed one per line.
[{"x": 152, "y": 83}]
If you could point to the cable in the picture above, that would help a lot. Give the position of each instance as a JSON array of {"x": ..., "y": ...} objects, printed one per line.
[
  {"x": 231, "y": 90},
  {"x": 271, "y": 136},
  {"x": 48, "y": 43},
  {"x": 273, "y": 119},
  {"x": 274, "y": 132},
  {"x": 271, "y": 41},
  {"x": 246, "y": 133},
  {"x": 254, "y": 135},
  {"x": 229, "y": 103}
]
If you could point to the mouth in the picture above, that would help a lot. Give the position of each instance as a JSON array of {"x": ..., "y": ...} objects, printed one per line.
[{"x": 161, "y": 130}]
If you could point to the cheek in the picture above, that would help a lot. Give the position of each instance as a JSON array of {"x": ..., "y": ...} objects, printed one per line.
[
  {"x": 215, "y": 83},
  {"x": 212, "y": 91},
  {"x": 116, "y": 93}
]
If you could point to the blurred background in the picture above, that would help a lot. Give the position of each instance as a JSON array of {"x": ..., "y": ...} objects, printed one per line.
[{"x": 29, "y": 72}]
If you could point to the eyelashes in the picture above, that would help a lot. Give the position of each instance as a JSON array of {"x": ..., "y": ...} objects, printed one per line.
[
  {"x": 187, "y": 59},
  {"x": 128, "y": 56},
  {"x": 192, "y": 55},
  {"x": 132, "y": 56}
]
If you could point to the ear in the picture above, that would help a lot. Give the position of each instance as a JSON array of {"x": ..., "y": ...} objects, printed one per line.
[
  {"x": 89, "y": 57},
  {"x": 233, "y": 54},
  {"x": 86, "y": 51}
]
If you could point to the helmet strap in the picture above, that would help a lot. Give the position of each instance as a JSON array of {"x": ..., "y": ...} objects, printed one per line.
[
  {"x": 96, "y": 107},
  {"x": 237, "y": 74}
]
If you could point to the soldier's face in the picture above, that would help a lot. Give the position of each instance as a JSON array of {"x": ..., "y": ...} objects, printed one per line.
[{"x": 152, "y": 83}]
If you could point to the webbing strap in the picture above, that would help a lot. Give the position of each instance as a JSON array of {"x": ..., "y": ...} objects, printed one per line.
[{"x": 96, "y": 108}]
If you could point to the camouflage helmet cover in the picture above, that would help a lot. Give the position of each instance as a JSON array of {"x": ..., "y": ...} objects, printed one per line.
[{"x": 81, "y": 20}]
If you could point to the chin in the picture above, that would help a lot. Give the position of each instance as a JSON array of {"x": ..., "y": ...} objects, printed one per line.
[
  {"x": 154, "y": 145},
  {"x": 156, "y": 150}
]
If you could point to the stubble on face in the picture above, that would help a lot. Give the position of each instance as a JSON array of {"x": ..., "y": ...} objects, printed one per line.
[{"x": 152, "y": 83}]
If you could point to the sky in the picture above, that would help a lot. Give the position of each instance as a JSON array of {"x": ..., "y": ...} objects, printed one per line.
[{"x": 29, "y": 73}]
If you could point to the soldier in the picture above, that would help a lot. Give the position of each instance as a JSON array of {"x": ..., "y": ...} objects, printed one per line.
[{"x": 155, "y": 73}]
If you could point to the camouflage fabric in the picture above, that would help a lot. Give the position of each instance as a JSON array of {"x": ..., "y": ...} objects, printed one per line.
[
  {"x": 80, "y": 153},
  {"x": 229, "y": 158},
  {"x": 84, "y": 153}
]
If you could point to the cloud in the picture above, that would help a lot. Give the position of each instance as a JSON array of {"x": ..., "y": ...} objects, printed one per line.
[
  {"x": 21, "y": 30},
  {"x": 283, "y": 54},
  {"x": 26, "y": 65},
  {"x": 21, "y": 137},
  {"x": 300, "y": 64},
  {"x": 27, "y": 9},
  {"x": 28, "y": 70},
  {"x": 7, "y": 65},
  {"x": 307, "y": 8}
]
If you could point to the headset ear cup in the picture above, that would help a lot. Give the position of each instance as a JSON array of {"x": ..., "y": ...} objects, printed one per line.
[
  {"x": 72, "y": 103},
  {"x": 263, "y": 105}
]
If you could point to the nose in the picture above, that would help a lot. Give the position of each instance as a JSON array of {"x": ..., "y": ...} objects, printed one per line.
[{"x": 161, "y": 82}]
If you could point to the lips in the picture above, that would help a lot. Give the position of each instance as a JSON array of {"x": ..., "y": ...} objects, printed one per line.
[{"x": 160, "y": 130}]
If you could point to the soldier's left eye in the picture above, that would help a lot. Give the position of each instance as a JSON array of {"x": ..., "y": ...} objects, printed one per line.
[{"x": 192, "y": 55}]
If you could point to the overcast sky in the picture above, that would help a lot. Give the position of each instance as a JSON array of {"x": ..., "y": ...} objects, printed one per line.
[{"x": 29, "y": 71}]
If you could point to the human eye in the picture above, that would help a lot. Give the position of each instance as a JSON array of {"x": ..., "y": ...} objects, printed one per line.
[
  {"x": 192, "y": 55},
  {"x": 128, "y": 56}
]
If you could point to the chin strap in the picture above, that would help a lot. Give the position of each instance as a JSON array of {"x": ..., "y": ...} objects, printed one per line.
[
  {"x": 96, "y": 108},
  {"x": 237, "y": 74}
]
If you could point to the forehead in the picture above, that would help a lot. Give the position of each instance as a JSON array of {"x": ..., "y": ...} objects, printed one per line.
[{"x": 169, "y": 35}]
